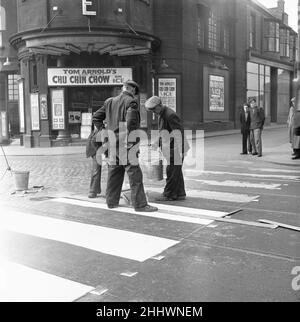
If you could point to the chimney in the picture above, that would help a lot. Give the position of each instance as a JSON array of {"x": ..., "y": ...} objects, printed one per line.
[{"x": 280, "y": 6}]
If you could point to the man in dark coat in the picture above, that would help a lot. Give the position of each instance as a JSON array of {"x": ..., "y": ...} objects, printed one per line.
[
  {"x": 173, "y": 148},
  {"x": 245, "y": 128},
  {"x": 122, "y": 111},
  {"x": 257, "y": 115}
]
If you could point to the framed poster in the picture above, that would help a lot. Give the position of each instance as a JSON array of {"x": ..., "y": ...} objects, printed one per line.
[
  {"x": 216, "y": 93},
  {"x": 35, "y": 111},
  {"x": 167, "y": 92},
  {"x": 21, "y": 105},
  {"x": 143, "y": 112},
  {"x": 58, "y": 109},
  {"x": 43, "y": 107},
  {"x": 4, "y": 132},
  {"x": 74, "y": 117}
]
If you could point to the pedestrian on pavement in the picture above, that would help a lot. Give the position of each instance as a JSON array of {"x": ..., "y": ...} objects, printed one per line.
[
  {"x": 91, "y": 151},
  {"x": 295, "y": 124},
  {"x": 118, "y": 111},
  {"x": 172, "y": 150},
  {"x": 257, "y": 117},
  {"x": 291, "y": 127},
  {"x": 245, "y": 129}
]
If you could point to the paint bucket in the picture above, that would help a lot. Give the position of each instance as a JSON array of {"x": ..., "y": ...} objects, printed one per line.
[
  {"x": 21, "y": 180},
  {"x": 155, "y": 171}
]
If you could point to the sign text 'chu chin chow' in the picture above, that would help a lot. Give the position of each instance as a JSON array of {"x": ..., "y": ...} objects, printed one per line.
[{"x": 88, "y": 76}]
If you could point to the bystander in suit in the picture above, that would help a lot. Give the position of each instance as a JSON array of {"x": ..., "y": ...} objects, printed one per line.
[
  {"x": 245, "y": 129},
  {"x": 257, "y": 116}
]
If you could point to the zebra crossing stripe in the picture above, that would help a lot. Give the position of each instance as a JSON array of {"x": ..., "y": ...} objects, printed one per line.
[
  {"x": 19, "y": 283},
  {"x": 187, "y": 215},
  {"x": 115, "y": 242},
  {"x": 276, "y": 170},
  {"x": 239, "y": 184}
]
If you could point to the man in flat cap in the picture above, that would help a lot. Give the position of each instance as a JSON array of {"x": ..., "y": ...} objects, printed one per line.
[
  {"x": 122, "y": 116},
  {"x": 174, "y": 147}
]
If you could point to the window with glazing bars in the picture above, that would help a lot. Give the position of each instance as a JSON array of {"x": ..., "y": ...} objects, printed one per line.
[
  {"x": 284, "y": 42},
  {"x": 13, "y": 89},
  {"x": 213, "y": 32},
  {"x": 271, "y": 36}
]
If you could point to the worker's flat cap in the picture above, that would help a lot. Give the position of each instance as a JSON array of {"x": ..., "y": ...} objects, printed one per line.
[
  {"x": 133, "y": 84},
  {"x": 152, "y": 102}
]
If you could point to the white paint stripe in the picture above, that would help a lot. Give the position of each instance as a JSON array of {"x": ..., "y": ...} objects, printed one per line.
[
  {"x": 130, "y": 245},
  {"x": 240, "y": 184},
  {"x": 23, "y": 284},
  {"x": 157, "y": 214},
  {"x": 214, "y": 195},
  {"x": 254, "y": 175}
]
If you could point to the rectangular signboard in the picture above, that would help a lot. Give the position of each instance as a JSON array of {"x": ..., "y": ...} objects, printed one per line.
[{"x": 88, "y": 76}]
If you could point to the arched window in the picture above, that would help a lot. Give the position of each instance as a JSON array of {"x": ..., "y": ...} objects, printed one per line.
[{"x": 2, "y": 19}]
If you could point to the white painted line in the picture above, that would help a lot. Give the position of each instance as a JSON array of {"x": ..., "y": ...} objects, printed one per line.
[
  {"x": 254, "y": 175},
  {"x": 276, "y": 170},
  {"x": 214, "y": 195},
  {"x": 157, "y": 214},
  {"x": 23, "y": 284},
  {"x": 125, "y": 244},
  {"x": 240, "y": 184}
]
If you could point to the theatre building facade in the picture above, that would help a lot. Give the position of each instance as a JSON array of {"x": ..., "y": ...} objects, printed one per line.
[
  {"x": 73, "y": 55},
  {"x": 204, "y": 58}
]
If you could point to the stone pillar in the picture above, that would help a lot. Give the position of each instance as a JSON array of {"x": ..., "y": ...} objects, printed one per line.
[
  {"x": 42, "y": 65},
  {"x": 27, "y": 136}
]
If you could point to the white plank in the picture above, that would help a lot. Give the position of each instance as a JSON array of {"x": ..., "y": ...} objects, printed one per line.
[
  {"x": 185, "y": 212},
  {"x": 214, "y": 195},
  {"x": 239, "y": 184}
]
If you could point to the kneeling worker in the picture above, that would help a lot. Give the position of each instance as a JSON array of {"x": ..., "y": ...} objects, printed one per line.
[{"x": 174, "y": 147}]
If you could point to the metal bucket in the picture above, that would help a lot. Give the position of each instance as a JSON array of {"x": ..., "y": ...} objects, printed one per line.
[
  {"x": 155, "y": 171},
  {"x": 21, "y": 180}
]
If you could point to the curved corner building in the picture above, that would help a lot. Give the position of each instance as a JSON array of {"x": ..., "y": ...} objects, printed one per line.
[{"x": 73, "y": 55}]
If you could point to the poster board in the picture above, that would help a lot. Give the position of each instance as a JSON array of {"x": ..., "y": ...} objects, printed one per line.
[
  {"x": 43, "y": 107},
  {"x": 21, "y": 105},
  {"x": 58, "y": 109},
  {"x": 216, "y": 93},
  {"x": 35, "y": 111},
  {"x": 167, "y": 91},
  {"x": 143, "y": 112}
]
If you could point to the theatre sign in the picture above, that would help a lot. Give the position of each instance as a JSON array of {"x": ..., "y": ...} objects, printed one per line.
[{"x": 88, "y": 76}]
